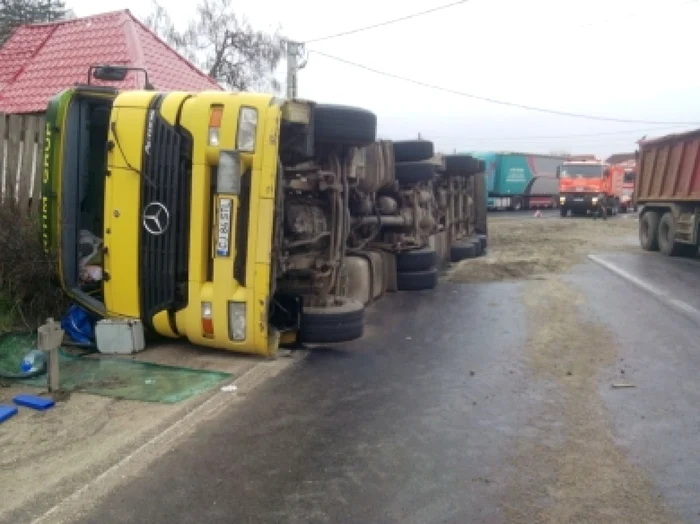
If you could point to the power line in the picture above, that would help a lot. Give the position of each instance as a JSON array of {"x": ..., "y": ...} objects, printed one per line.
[
  {"x": 495, "y": 101},
  {"x": 387, "y": 22}
]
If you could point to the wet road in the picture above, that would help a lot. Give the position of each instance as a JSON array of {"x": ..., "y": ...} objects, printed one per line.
[{"x": 473, "y": 403}]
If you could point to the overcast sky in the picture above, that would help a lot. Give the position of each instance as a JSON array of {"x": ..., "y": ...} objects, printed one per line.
[{"x": 625, "y": 59}]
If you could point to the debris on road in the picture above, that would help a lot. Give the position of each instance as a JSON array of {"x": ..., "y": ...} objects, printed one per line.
[
  {"x": 33, "y": 402},
  {"x": 7, "y": 412},
  {"x": 620, "y": 386}
]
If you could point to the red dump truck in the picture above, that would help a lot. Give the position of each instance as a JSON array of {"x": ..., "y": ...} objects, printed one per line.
[{"x": 668, "y": 192}]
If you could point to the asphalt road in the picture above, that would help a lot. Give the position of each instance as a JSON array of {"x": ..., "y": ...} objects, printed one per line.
[{"x": 473, "y": 403}]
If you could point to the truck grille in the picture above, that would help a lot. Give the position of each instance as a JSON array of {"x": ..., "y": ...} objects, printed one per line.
[{"x": 165, "y": 189}]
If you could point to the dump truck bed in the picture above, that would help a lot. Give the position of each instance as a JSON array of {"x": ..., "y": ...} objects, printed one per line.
[{"x": 669, "y": 168}]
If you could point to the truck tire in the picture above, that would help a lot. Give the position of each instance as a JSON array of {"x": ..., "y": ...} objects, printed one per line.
[
  {"x": 462, "y": 164},
  {"x": 326, "y": 325},
  {"x": 563, "y": 212},
  {"x": 477, "y": 246},
  {"x": 517, "y": 204},
  {"x": 649, "y": 231},
  {"x": 417, "y": 259},
  {"x": 414, "y": 172},
  {"x": 344, "y": 125},
  {"x": 413, "y": 150},
  {"x": 688, "y": 250},
  {"x": 667, "y": 233},
  {"x": 416, "y": 280},
  {"x": 462, "y": 251}
]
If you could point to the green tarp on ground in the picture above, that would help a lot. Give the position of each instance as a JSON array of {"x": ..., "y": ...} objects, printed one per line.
[{"x": 112, "y": 377}]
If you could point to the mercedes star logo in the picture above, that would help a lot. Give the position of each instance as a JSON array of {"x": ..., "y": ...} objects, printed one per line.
[{"x": 156, "y": 218}]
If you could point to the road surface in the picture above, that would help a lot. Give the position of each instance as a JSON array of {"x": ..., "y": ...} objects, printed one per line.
[{"x": 480, "y": 403}]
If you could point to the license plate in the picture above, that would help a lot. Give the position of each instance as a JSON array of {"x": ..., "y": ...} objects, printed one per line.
[
  {"x": 578, "y": 199},
  {"x": 224, "y": 227}
]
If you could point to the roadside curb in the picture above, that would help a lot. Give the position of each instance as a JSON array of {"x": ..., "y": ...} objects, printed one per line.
[
  {"x": 176, "y": 427},
  {"x": 688, "y": 311}
]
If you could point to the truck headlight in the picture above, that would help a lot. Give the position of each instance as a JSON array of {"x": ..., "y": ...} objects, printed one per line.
[
  {"x": 247, "y": 128},
  {"x": 228, "y": 174},
  {"x": 594, "y": 200},
  {"x": 236, "y": 321},
  {"x": 562, "y": 200}
]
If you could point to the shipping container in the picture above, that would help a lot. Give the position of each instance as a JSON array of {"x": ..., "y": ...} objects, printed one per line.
[
  {"x": 668, "y": 191},
  {"x": 521, "y": 180}
]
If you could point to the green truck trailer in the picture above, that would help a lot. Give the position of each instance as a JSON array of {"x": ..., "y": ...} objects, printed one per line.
[{"x": 518, "y": 181}]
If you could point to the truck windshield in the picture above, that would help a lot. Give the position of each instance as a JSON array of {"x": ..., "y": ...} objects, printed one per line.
[
  {"x": 585, "y": 171},
  {"x": 629, "y": 177}
]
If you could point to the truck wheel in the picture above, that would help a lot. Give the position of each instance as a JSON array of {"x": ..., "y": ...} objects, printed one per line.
[
  {"x": 414, "y": 172},
  {"x": 688, "y": 250},
  {"x": 413, "y": 150},
  {"x": 477, "y": 246},
  {"x": 517, "y": 204},
  {"x": 649, "y": 231},
  {"x": 416, "y": 280},
  {"x": 667, "y": 233},
  {"x": 417, "y": 259},
  {"x": 563, "y": 212},
  {"x": 341, "y": 322},
  {"x": 350, "y": 126},
  {"x": 462, "y": 164},
  {"x": 462, "y": 251}
]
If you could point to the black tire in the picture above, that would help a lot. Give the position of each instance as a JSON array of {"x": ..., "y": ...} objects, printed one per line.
[
  {"x": 413, "y": 150},
  {"x": 517, "y": 204},
  {"x": 649, "y": 231},
  {"x": 477, "y": 245},
  {"x": 414, "y": 172},
  {"x": 417, "y": 260},
  {"x": 688, "y": 250},
  {"x": 416, "y": 280},
  {"x": 563, "y": 212},
  {"x": 462, "y": 251},
  {"x": 327, "y": 325},
  {"x": 484, "y": 240},
  {"x": 344, "y": 125},
  {"x": 462, "y": 165},
  {"x": 667, "y": 232}
]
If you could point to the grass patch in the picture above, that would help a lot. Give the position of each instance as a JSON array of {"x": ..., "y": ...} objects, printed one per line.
[{"x": 28, "y": 293}]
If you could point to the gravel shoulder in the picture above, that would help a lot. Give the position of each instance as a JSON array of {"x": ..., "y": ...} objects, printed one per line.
[{"x": 532, "y": 247}]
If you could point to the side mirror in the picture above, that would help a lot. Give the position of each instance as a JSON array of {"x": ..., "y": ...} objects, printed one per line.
[{"x": 110, "y": 73}]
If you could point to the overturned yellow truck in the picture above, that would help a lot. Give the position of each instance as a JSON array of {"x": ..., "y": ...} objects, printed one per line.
[{"x": 235, "y": 219}]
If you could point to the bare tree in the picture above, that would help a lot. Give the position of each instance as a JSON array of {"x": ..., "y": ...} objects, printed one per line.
[
  {"x": 224, "y": 45},
  {"x": 17, "y": 12}
]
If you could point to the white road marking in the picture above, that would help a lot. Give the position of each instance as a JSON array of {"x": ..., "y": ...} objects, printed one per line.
[
  {"x": 674, "y": 303},
  {"x": 72, "y": 505}
]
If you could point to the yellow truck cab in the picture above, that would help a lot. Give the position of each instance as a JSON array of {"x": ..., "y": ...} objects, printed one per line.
[
  {"x": 178, "y": 193},
  {"x": 232, "y": 218}
]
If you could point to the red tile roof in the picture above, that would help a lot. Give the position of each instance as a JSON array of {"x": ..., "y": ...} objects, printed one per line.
[{"x": 40, "y": 60}]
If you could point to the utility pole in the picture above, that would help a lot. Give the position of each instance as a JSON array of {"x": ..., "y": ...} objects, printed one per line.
[{"x": 292, "y": 68}]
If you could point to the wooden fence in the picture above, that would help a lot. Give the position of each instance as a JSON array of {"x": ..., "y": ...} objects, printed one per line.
[{"x": 21, "y": 160}]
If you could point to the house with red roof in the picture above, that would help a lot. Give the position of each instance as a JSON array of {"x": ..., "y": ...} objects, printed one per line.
[{"x": 39, "y": 60}]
